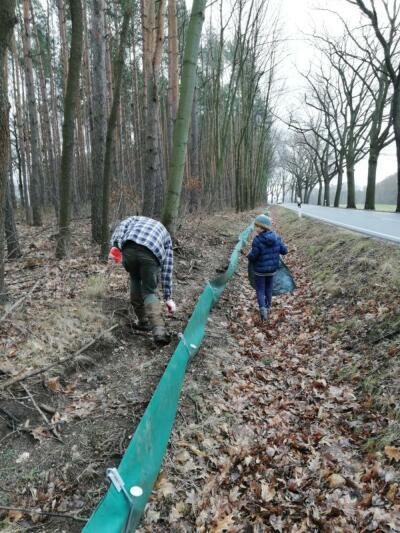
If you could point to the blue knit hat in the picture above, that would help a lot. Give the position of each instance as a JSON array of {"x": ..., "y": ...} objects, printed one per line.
[{"x": 263, "y": 221}]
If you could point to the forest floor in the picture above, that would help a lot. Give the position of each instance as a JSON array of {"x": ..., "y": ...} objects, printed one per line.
[{"x": 292, "y": 425}]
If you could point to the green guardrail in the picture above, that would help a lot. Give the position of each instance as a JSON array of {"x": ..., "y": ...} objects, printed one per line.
[{"x": 142, "y": 460}]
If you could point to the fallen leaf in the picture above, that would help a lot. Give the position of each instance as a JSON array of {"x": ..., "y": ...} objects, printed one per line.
[
  {"x": 15, "y": 516},
  {"x": 40, "y": 433},
  {"x": 392, "y": 492},
  {"x": 267, "y": 492},
  {"x": 223, "y": 525},
  {"x": 54, "y": 384},
  {"x": 192, "y": 448},
  {"x": 163, "y": 486},
  {"x": 234, "y": 494},
  {"x": 392, "y": 453},
  {"x": 152, "y": 516},
  {"x": 336, "y": 480},
  {"x": 177, "y": 512}
]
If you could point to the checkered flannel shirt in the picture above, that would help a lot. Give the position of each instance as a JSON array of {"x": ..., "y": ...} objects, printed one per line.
[{"x": 155, "y": 237}]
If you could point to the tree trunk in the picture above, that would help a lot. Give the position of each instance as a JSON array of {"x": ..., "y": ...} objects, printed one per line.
[
  {"x": 7, "y": 22},
  {"x": 119, "y": 64},
  {"x": 13, "y": 247},
  {"x": 351, "y": 189},
  {"x": 153, "y": 30},
  {"x": 62, "y": 24},
  {"x": 370, "y": 193},
  {"x": 173, "y": 82},
  {"x": 70, "y": 105},
  {"x": 194, "y": 158},
  {"x": 54, "y": 118},
  {"x": 33, "y": 121},
  {"x": 19, "y": 133},
  {"x": 396, "y": 128},
  {"x": 339, "y": 185},
  {"x": 319, "y": 201},
  {"x": 327, "y": 200},
  {"x": 51, "y": 168}
]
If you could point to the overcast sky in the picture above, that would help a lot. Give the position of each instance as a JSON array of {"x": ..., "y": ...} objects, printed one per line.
[{"x": 298, "y": 20}]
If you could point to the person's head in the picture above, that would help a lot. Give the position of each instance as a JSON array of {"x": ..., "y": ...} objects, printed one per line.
[{"x": 262, "y": 223}]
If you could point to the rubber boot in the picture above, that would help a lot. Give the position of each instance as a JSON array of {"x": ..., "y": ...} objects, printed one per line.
[
  {"x": 138, "y": 306},
  {"x": 153, "y": 312},
  {"x": 263, "y": 313}
]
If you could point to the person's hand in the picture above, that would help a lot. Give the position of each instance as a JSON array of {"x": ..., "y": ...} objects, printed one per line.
[
  {"x": 115, "y": 254},
  {"x": 171, "y": 307}
]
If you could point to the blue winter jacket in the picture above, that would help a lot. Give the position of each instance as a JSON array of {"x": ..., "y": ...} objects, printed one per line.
[{"x": 265, "y": 250}]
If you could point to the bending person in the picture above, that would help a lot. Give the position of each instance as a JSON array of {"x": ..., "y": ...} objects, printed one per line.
[{"x": 147, "y": 253}]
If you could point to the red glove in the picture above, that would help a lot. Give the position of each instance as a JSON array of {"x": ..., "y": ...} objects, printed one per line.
[
  {"x": 171, "y": 307},
  {"x": 115, "y": 254}
]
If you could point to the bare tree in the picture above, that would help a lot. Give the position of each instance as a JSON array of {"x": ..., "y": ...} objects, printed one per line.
[
  {"x": 99, "y": 110},
  {"x": 33, "y": 120},
  {"x": 118, "y": 71},
  {"x": 387, "y": 33},
  {"x": 301, "y": 165},
  {"x": 7, "y": 22},
  {"x": 367, "y": 49},
  {"x": 339, "y": 94},
  {"x": 70, "y": 105},
  {"x": 153, "y": 35}
]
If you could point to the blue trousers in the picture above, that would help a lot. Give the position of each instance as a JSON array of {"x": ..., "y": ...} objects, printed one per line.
[{"x": 264, "y": 290}]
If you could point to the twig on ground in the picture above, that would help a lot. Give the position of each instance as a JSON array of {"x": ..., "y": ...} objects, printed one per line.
[
  {"x": 39, "y": 511},
  {"x": 48, "y": 423},
  {"x": 8, "y": 435},
  {"x": 17, "y": 379},
  {"x": 20, "y": 301}
]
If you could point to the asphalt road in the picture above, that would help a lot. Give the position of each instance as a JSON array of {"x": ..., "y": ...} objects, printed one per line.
[{"x": 376, "y": 224}]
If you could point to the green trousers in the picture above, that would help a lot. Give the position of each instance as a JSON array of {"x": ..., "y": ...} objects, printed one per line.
[{"x": 144, "y": 270}]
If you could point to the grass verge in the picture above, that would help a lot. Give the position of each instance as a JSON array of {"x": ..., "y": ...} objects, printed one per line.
[{"x": 357, "y": 282}]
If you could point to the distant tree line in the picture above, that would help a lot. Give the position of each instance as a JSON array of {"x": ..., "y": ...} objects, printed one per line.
[{"x": 350, "y": 111}]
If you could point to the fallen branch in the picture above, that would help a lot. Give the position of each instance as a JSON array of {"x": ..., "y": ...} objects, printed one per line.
[
  {"x": 48, "y": 423},
  {"x": 20, "y": 301},
  {"x": 39, "y": 511},
  {"x": 32, "y": 373}
]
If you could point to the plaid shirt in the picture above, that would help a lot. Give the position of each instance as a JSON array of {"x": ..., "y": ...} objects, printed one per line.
[{"x": 155, "y": 237}]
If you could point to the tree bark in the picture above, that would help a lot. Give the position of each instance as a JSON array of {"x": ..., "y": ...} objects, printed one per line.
[
  {"x": 19, "y": 133},
  {"x": 319, "y": 201},
  {"x": 327, "y": 201},
  {"x": 173, "y": 87},
  {"x": 153, "y": 30},
  {"x": 34, "y": 188},
  {"x": 118, "y": 70},
  {"x": 70, "y": 105},
  {"x": 351, "y": 189},
  {"x": 194, "y": 158},
  {"x": 7, "y": 22},
  {"x": 371, "y": 184},
  {"x": 63, "y": 43},
  {"x": 51, "y": 168},
  {"x": 396, "y": 129},
  {"x": 13, "y": 247},
  {"x": 181, "y": 130},
  {"x": 339, "y": 184}
]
